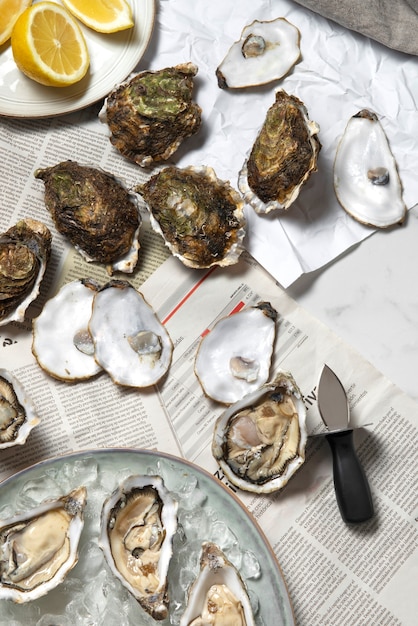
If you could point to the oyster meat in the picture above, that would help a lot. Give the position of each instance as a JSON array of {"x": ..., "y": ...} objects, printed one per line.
[
  {"x": 94, "y": 211},
  {"x": 152, "y": 113},
  {"x": 17, "y": 413},
  {"x": 366, "y": 179},
  {"x": 138, "y": 523},
  {"x": 266, "y": 51},
  {"x": 62, "y": 343},
  {"x": 259, "y": 442},
  {"x": 39, "y": 548},
  {"x": 130, "y": 342},
  {"x": 24, "y": 253},
  {"x": 200, "y": 217},
  {"x": 283, "y": 156},
  {"x": 234, "y": 358},
  {"x": 218, "y": 597}
]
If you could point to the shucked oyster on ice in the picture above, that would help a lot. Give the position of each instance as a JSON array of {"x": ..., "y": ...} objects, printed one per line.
[
  {"x": 266, "y": 51},
  {"x": 24, "y": 252},
  {"x": 218, "y": 596},
  {"x": 95, "y": 212},
  {"x": 39, "y": 548},
  {"x": 151, "y": 114},
  {"x": 259, "y": 442},
  {"x": 200, "y": 217},
  {"x": 138, "y": 523},
  {"x": 366, "y": 178},
  {"x": 17, "y": 413},
  {"x": 283, "y": 156}
]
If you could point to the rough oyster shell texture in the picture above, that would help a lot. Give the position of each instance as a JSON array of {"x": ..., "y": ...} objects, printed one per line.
[
  {"x": 17, "y": 413},
  {"x": 151, "y": 114},
  {"x": 39, "y": 548},
  {"x": 283, "y": 156},
  {"x": 95, "y": 212},
  {"x": 266, "y": 51},
  {"x": 24, "y": 253},
  {"x": 138, "y": 523},
  {"x": 366, "y": 178},
  {"x": 200, "y": 217},
  {"x": 259, "y": 442}
]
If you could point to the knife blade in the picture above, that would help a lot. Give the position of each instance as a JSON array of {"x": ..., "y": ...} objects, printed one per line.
[{"x": 350, "y": 482}]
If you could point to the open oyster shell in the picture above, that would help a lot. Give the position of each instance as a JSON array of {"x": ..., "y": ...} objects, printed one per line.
[
  {"x": 94, "y": 211},
  {"x": 39, "y": 548},
  {"x": 24, "y": 253},
  {"x": 152, "y": 113},
  {"x": 61, "y": 342},
  {"x": 234, "y": 358},
  {"x": 17, "y": 413},
  {"x": 200, "y": 217},
  {"x": 366, "y": 178},
  {"x": 138, "y": 523},
  {"x": 218, "y": 596},
  {"x": 130, "y": 342},
  {"x": 266, "y": 51},
  {"x": 259, "y": 442},
  {"x": 283, "y": 156}
]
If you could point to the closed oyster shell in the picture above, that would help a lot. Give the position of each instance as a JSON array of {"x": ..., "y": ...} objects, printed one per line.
[
  {"x": 200, "y": 217},
  {"x": 151, "y": 114},
  {"x": 259, "y": 442},
  {"x": 138, "y": 523},
  {"x": 95, "y": 212},
  {"x": 17, "y": 413},
  {"x": 24, "y": 253},
  {"x": 39, "y": 548},
  {"x": 283, "y": 156}
]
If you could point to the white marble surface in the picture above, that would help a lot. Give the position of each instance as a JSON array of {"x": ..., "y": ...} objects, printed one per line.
[{"x": 369, "y": 297}]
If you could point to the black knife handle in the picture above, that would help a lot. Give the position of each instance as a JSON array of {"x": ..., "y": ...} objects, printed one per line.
[{"x": 351, "y": 486}]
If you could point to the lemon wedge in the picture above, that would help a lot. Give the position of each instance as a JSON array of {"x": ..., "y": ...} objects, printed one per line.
[
  {"x": 9, "y": 12},
  {"x": 103, "y": 16},
  {"x": 48, "y": 45}
]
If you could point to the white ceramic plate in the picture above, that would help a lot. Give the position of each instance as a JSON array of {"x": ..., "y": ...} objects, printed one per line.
[
  {"x": 207, "y": 510},
  {"x": 112, "y": 58}
]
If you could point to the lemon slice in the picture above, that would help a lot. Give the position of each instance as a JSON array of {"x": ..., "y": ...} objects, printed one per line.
[
  {"x": 48, "y": 45},
  {"x": 9, "y": 12},
  {"x": 103, "y": 16}
]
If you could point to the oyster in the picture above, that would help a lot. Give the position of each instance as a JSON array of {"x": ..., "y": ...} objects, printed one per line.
[
  {"x": 259, "y": 442},
  {"x": 95, "y": 212},
  {"x": 234, "y": 358},
  {"x": 151, "y": 114},
  {"x": 24, "y": 252},
  {"x": 218, "y": 596},
  {"x": 130, "y": 342},
  {"x": 39, "y": 548},
  {"x": 283, "y": 156},
  {"x": 266, "y": 51},
  {"x": 366, "y": 178},
  {"x": 17, "y": 413},
  {"x": 138, "y": 523},
  {"x": 200, "y": 217},
  {"x": 62, "y": 343}
]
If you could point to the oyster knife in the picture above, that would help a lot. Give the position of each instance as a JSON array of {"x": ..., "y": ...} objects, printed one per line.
[{"x": 350, "y": 482}]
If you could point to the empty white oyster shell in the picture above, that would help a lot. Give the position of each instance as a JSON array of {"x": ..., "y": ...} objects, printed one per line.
[
  {"x": 283, "y": 157},
  {"x": 39, "y": 548},
  {"x": 366, "y": 178},
  {"x": 259, "y": 442},
  {"x": 62, "y": 343},
  {"x": 138, "y": 523},
  {"x": 17, "y": 412},
  {"x": 234, "y": 358},
  {"x": 218, "y": 596},
  {"x": 130, "y": 342},
  {"x": 266, "y": 51}
]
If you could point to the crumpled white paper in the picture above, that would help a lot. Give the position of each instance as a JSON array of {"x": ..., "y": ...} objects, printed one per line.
[{"x": 340, "y": 73}]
